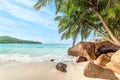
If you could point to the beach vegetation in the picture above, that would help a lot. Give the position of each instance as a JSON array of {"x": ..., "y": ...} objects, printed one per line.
[
  {"x": 9, "y": 40},
  {"x": 85, "y": 16}
]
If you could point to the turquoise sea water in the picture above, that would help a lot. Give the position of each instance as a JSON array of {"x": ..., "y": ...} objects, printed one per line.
[{"x": 34, "y": 52}]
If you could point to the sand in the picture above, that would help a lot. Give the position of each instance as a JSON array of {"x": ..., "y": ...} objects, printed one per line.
[{"x": 42, "y": 71}]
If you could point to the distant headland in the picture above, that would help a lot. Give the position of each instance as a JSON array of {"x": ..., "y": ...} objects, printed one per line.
[{"x": 8, "y": 40}]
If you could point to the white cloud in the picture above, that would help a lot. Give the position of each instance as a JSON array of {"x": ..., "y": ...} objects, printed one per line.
[
  {"x": 7, "y": 21},
  {"x": 29, "y": 14},
  {"x": 12, "y": 22},
  {"x": 28, "y": 3},
  {"x": 26, "y": 16}
]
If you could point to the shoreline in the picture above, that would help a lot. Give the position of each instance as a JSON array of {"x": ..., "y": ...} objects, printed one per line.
[{"x": 44, "y": 70}]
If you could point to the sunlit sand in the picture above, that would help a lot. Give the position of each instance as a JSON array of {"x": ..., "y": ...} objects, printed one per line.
[{"x": 42, "y": 71}]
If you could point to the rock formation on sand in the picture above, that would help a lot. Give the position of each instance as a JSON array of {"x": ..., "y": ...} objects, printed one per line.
[
  {"x": 99, "y": 45},
  {"x": 81, "y": 59},
  {"x": 114, "y": 65},
  {"x": 104, "y": 53},
  {"x": 110, "y": 54},
  {"x": 94, "y": 71},
  {"x": 85, "y": 49},
  {"x": 52, "y": 60},
  {"x": 108, "y": 48},
  {"x": 102, "y": 60},
  {"x": 92, "y": 50},
  {"x": 61, "y": 67},
  {"x": 116, "y": 57}
]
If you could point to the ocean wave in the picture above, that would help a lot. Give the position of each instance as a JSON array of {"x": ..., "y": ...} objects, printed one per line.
[{"x": 28, "y": 58}]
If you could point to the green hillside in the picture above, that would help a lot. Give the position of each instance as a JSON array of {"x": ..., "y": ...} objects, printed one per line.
[{"x": 7, "y": 39}]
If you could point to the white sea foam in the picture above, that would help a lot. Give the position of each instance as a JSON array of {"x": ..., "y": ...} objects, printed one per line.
[
  {"x": 28, "y": 58},
  {"x": 34, "y": 52}
]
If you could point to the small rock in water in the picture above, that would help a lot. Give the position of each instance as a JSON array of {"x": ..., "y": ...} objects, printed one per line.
[
  {"x": 61, "y": 67},
  {"x": 52, "y": 60}
]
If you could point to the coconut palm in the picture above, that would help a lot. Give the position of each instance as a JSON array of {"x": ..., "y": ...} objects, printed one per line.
[
  {"x": 70, "y": 23},
  {"x": 70, "y": 29},
  {"x": 100, "y": 8},
  {"x": 98, "y": 14}
]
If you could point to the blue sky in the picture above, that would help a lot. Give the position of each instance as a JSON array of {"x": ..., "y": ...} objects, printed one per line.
[{"x": 19, "y": 19}]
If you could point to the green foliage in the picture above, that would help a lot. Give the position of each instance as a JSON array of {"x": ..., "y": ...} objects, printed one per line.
[
  {"x": 42, "y": 3},
  {"x": 7, "y": 39},
  {"x": 83, "y": 16}
]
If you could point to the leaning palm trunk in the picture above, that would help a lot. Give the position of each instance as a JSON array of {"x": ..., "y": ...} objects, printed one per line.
[
  {"x": 117, "y": 42},
  {"x": 100, "y": 32},
  {"x": 74, "y": 38}
]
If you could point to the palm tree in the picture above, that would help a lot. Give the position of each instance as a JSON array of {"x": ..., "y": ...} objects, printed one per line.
[
  {"x": 98, "y": 8},
  {"x": 95, "y": 5},
  {"x": 70, "y": 23},
  {"x": 95, "y": 16}
]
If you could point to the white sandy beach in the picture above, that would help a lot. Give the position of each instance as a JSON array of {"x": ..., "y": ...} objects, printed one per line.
[{"x": 41, "y": 71}]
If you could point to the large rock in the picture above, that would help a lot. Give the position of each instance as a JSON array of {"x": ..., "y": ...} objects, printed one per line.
[
  {"x": 110, "y": 54},
  {"x": 61, "y": 67},
  {"x": 81, "y": 59},
  {"x": 102, "y": 60},
  {"x": 86, "y": 49},
  {"x": 116, "y": 57},
  {"x": 100, "y": 44},
  {"x": 114, "y": 65},
  {"x": 92, "y": 50},
  {"x": 108, "y": 48},
  {"x": 94, "y": 71}
]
